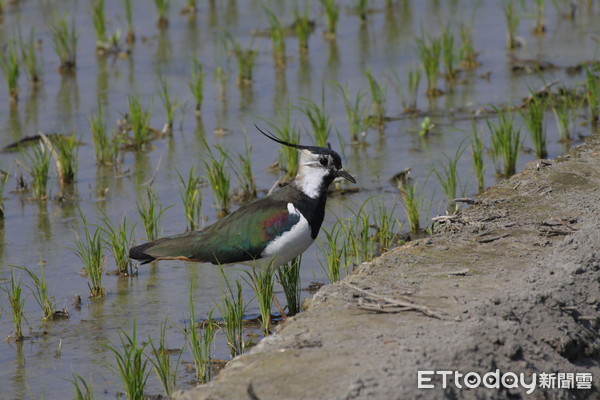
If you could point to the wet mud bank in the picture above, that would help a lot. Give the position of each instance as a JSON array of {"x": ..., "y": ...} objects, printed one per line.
[{"x": 511, "y": 285}]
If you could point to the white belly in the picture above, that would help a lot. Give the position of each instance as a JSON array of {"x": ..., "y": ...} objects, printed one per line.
[{"x": 289, "y": 245}]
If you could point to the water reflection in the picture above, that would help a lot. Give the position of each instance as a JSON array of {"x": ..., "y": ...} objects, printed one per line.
[
  {"x": 164, "y": 49},
  {"x": 67, "y": 101},
  {"x": 247, "y": 97},
  {"x": 102, "y": 87},
  {"x": 32, "y": 108},
  {"x": 141, "y": 168},
  {"x": 43, "y": 233},
  {"x": 19, "y": 379},
  {"x": 280, "y": 94},
  {"x": 304, "y": 80},
  {"x": 333, "y": 61},
  {"x": 13, "y": 124}
]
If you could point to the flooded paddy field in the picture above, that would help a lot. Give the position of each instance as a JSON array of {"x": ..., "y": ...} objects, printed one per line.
[{"x": 405, "y": 129}]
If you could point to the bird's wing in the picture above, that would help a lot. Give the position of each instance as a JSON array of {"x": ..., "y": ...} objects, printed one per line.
[{"x": 239, "y": 237}]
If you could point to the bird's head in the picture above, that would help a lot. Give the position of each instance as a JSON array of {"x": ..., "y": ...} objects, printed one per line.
[{"x": 318, "y": 166}]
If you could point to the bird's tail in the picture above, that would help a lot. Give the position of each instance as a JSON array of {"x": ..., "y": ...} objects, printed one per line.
[{"x": 138, "y": 253}]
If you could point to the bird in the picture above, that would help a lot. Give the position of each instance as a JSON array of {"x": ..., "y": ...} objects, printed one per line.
[{"x": 270, "y": 231}]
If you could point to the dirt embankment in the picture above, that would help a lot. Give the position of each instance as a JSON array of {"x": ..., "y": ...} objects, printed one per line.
[{"x": 511, "y": 285}]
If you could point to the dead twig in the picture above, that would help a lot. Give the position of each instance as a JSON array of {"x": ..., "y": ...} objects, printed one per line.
[
  {"x": 494, "y": 238},
  {"x": 401, "y": 305}
]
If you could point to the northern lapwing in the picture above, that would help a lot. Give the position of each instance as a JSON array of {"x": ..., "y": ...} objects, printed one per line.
[{"x": 269, "y": 231}]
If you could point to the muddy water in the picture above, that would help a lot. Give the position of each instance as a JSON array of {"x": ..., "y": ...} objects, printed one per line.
[{"x": 41, "y": 233}]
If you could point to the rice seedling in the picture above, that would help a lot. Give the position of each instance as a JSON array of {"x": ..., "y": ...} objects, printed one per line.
[
  {"x": 99, "y": 20},
  {"x": 150, "y": 212},
  {"x": 384, "y": 223},
  {"x": 191, "y": 196},
  {"x": 355, "y": 115},
  {"x": 592, "y": 94},
  {"x": 319, "y": 120},
  {"x": 262, "y": 281},
  {"x": 140, "y": 123},
  {"x": 40, "y": 293},
  {"x": 288, "y": 156},
  {"x": 39, "y": 159},
  {"x": 16, "y": 301},
  {"x": 564, "y": 109},
  {"x": 118, "y": 240},
  {"x": 332, "y": 14},
  {"x": 243, "y": 171},
  {"x": 378, "y": 99},
  {"x": 106, "y": 148},
  {"x": 506, "y": 140},
  {"x": 245, "y": 60},
  {"x": 90, "y": 250},
  {"x": 166, "y": 370},
  {"x": 449, "y": 178},
  {"x": 303, "y": 27},
  {"x": 10, "y": 63},
  {"x": 219, "y": 180},
  {"x": 131, "y": 364},
  {"x": 477, "y": 156},
  {"x": 361, "y": 243},
  {"x": 533, "y": 117},
  {"x": 412, "y": 202},
  {"x": 196, "y": 85},
  {"x": 448, "y": 54},
  {"x": 540, "y": 8},
  {"x": 64, "y": 40},
  {"x": 232, "y": 309},
  {"x": 168, "y": 103},
  {"x": 83, "y": 391},
  {"x": 334, "y": 252},
  {"x": 428, "y": 51},
  {"x": 30, "y": 60},
  {"x": 3, "y": 179},
  {"x": 426, "y": 127},
  {"x": 288, "y": 276},
  {"x": 512, "y": 17},
  {"x": 277, "y": 37},
  {"x": 467, "y": 53},
  {"x": 64, "y": 151},
  {"x": 200, "y": 342},
  {"x": 129, "y": 17},
  {"x": 162, "y": 9},
  {"x": 220, "y": 78},
  {"x": 414, "y": 79}
]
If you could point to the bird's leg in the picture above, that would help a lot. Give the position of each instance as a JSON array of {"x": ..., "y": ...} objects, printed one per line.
[{"x": 278, "y": 305}]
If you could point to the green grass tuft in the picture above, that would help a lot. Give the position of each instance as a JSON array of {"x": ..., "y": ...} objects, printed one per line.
[
  {"x": 10, "y": 64},
  {"x": 191, "y": 196},
  {"x": 90, "y": 250},
  {"x": 506, "y": 140},
  {"x": 131, "y": 364},
  {"x": 64, "y": 40},
  {"x": 232, "y": 309}
]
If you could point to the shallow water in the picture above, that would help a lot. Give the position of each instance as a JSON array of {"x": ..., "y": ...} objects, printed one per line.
[{"x": 34, "y": 233}]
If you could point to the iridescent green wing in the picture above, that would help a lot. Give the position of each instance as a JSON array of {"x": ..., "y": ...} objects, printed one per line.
[{"x": 241, "y": 236}]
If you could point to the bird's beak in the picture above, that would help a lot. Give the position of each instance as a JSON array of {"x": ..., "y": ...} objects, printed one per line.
[{"x": 346, "y": 175}]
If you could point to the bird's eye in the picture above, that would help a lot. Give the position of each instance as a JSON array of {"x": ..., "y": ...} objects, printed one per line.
[{"x": 324, "y": 161}]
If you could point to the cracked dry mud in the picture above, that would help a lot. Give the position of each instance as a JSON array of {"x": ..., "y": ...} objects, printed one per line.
[{"x": 515, "y": 281}]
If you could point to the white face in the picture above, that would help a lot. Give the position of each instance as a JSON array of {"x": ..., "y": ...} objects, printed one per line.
[{"x": 312, "y": 171}]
